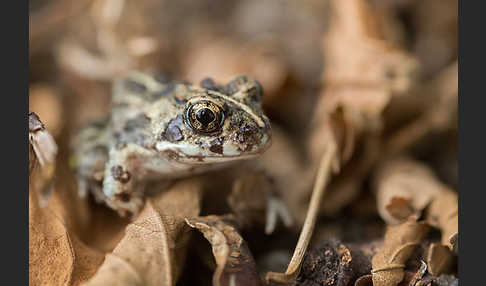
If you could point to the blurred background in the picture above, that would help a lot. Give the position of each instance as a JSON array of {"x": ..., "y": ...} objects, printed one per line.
[{"x": 378, "y": 78}]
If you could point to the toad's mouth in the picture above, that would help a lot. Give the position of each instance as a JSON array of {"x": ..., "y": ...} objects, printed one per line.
[
  {"x": 193, "y": 154},
  {"x": 204, "y": 159}
]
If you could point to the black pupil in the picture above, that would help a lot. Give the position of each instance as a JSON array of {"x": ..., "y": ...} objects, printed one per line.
[{"x": 205, "y": 116}]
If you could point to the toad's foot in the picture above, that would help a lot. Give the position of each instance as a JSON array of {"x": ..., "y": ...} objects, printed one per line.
[
  {"x": 276, "y": 209},
  {"x": 254, "y": 199}
]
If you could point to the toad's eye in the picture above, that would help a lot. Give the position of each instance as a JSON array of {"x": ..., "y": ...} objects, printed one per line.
[{"x": 204, "y": 116}]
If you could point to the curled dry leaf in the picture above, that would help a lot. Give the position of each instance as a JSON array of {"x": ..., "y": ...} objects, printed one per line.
[
  {"x": 367, "y": 280},
  {"x": 41, "y": 141},
  {"x": 443, "y": 213},
  {"x": 235, "y": 264},
  {"x": 356, "y": 51},
  {"x": 404, "y": 187},
  {"x": 56, "y": 255},
  {"x": 362, "y": 71},
  {"x": 42, "y": 158},
  {"x": 152, "y": 252},
  {"x": 400, "y": 241},
  {"x": 439, "y": 259},
  {"x": 410, "y": 278}
]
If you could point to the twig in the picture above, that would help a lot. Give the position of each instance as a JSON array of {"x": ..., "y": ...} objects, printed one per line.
[{"x": 323, "y": 174}]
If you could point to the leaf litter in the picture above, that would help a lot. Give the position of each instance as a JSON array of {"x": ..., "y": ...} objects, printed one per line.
[{"x": 371, "y": 85}]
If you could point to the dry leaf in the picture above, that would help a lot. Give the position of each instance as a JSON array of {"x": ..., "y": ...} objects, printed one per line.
[
  {"x": 367, "y": 280},
  {"x": 55, "y": 256},
  {"x": 443, "y": 213},
  {"x": 410, "y": 278},
  {"x": 235, "y": 264},
  {"x": 41, "y": 142},
  {"x": 436, "y": 105},
  {"x": 361, "y": 72},
  {"x": 347, "y": 185},
  {"x": 439, "y": 259},
  {"x": 152, "y": 252},
  {"x": 42, "y": 158},
  {"x": 361, "y": 69},
  {"x": 356, "y": 52},
  {"x": 400, "y": 241},
  {"x": 404, "y": 187}
]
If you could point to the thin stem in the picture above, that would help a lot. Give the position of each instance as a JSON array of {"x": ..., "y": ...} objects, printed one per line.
[{"x": 322, "y": 179}]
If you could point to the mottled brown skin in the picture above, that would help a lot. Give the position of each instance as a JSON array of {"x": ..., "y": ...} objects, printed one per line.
[{"x": 161, "y": 130}]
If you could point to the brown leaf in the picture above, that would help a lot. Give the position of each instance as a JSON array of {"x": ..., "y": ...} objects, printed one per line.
[
  {"x": 42, "y": 158},
  {"x": 153, "y": 249},
  {"x": 443, "y": 213},
  {"x": 439, "y": 259},
  {"x": 346, "y": 186},
  {"x": 362, "y": 70},
  {"x": 400, "y": 241},
  {"x": 235, "y": 264},
  {"x": 356, "y": 52},
  {"x": 367, "y": 280},
  {"x": 404, "y": 187},
  {"x": 436, "y": 104},
  {"x": 56, "y": 256}
]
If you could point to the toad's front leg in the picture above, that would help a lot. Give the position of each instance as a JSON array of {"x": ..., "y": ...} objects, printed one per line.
[{"x": 123, "y": 183}]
